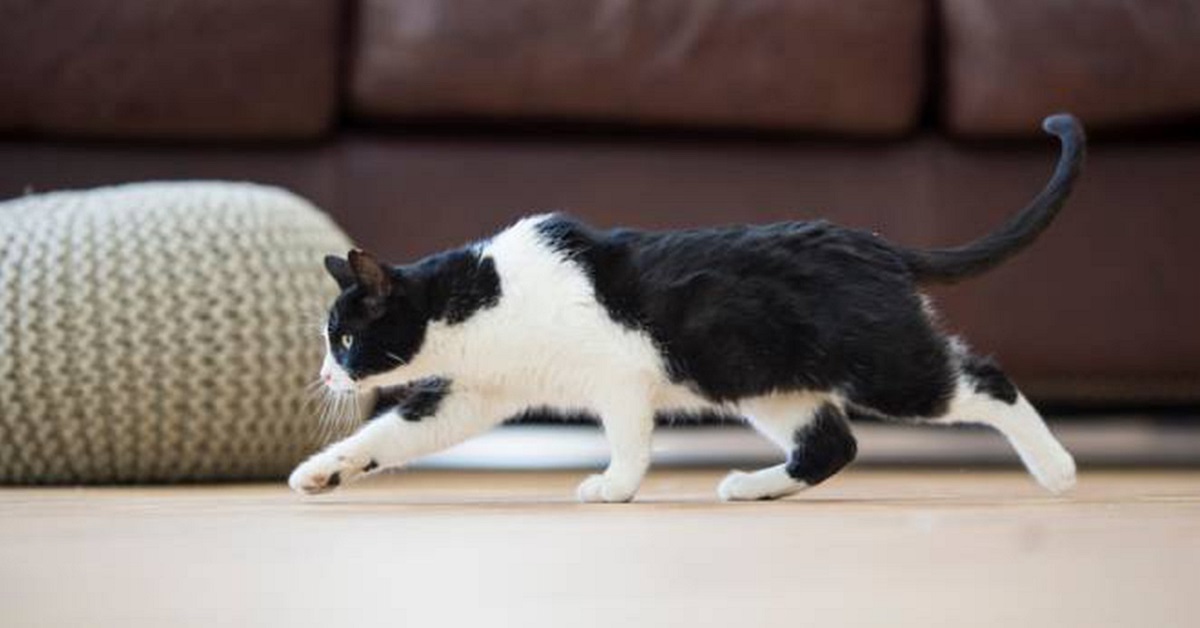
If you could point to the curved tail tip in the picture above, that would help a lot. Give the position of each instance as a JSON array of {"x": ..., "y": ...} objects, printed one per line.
[{"x": 1062, "y": 125}]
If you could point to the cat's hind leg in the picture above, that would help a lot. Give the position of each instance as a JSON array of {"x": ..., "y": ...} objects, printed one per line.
[
  {"x": 814, "y": 433},
  {"x": 985, "y": 395}
]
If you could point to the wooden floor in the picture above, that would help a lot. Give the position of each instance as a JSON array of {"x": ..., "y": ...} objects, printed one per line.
[{"x": 437, "y": 548}]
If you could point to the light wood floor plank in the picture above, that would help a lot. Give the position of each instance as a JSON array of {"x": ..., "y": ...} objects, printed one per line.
[{"x": 872, "y": 547}]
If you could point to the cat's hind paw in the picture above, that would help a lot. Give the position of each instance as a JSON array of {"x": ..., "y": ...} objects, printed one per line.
[
  {"x": 1057, "y": 474},
  {"x": 770, "y": 483},
  {"x": 603, "y": 489},
  {"x": 324, "y": 472},
  {"x": 738, "y": 486}
]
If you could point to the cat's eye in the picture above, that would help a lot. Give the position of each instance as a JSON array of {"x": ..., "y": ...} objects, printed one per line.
[{"x": 347, "y": 341}]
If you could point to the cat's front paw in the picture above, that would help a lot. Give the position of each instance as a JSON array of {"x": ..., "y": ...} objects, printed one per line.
[
  {"x": 604, "y": 489},
  {"x": 325, "y": 471}
]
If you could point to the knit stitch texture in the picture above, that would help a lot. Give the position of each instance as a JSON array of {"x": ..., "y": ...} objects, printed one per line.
[{"x": 159, "y": 332}]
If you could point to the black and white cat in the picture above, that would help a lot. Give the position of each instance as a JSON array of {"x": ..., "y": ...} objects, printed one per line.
[{"x": 795, "y": 326}]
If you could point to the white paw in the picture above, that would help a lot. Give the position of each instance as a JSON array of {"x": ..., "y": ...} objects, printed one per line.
[
  {"x": 771, "y": 483},
  {"x": 601, "y": 488},
  {"x": 738, "y": 486},
  {"x": 326, "y": 471},
  {"x": 1059, "y": 476}
]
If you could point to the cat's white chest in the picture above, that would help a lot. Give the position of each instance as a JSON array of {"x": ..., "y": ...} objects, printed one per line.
[{"x": 548, "y": 339}]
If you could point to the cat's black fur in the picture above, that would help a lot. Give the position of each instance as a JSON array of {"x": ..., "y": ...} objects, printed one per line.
[
  {"x": 988, "y": 378},
  {"x": 823, "y": 446},
  {"x": 735, "y": 311},
  {"x": 742, "y": 311},
  {"x": 415, "y": 400}
]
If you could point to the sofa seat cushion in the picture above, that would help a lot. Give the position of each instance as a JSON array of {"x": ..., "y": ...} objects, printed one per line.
[{"x": 849, "y": 66}]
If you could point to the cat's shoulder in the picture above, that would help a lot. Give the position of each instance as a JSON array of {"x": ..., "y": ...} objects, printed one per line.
[{"x": 559, "y": 233}]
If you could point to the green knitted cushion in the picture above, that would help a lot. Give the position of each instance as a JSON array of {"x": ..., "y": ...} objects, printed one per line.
[{"x": 159, "y": 332}]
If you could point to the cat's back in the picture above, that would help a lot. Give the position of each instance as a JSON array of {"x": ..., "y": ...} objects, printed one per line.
[
  {"x": 780, "y": 299},
  {"x": 792, "y": 250},
  {"x": 785, "y": 251},
  {"x": 631, "y": 268}
]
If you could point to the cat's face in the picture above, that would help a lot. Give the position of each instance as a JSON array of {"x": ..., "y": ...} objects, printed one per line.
[{"x": 374, "y": 326}]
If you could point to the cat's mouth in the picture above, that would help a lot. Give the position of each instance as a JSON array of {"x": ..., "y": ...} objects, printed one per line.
[
  {"x": 339, "y": 386},
  {"x": 338, "y": 382},
  {"x": 335, "y": 378}
]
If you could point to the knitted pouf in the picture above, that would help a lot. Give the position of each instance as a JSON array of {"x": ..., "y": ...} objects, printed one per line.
[{"x": 159, "y": 332}]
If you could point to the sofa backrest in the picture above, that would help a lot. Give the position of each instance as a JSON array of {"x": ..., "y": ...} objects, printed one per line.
[
  {"x": 832, "y": 66},
  {"x": 283, "y": 69},
  {"x": 169, "y": 69}
]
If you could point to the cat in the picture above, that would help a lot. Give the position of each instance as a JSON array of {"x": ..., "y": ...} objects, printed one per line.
[{"x": 796, "y": 327}]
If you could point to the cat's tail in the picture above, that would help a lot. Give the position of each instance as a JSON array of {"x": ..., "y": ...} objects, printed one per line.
[{"x": 957, "y": 263}]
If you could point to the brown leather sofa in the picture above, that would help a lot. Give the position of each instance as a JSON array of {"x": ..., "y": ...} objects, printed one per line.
[{"x": 421, "y": 124}]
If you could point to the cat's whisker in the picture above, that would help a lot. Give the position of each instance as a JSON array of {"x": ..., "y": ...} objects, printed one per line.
[
  {"x": 339, "y": 410},
  {"x": 324, "y": 410},
  {"x": 335, "y": 402},
  {"x": 323, "y": 431},
  {"x": 332, "y": 416},
  {"x": 336, "y": 417}
]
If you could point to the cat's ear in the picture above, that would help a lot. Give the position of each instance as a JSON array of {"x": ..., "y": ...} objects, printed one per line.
[
  {"x": 339, "y": 269},
  {"x": 370, "y": 274}
]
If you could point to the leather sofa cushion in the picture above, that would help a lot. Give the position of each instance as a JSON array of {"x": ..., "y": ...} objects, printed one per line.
[
  {"x": 851, "y": 66},
  {"x": 1114, "y": 63},
  {"x": 169, "y": 68}
]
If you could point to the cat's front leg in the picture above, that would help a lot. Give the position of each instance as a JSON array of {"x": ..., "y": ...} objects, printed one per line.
[
  {"x": 397, "y": 435},
  {"x": 628, "y": 428},
  {"x": 344, "y": 461}
]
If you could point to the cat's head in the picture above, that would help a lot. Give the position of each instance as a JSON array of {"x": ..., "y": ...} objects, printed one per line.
[{"x": 374, "y": 326}]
